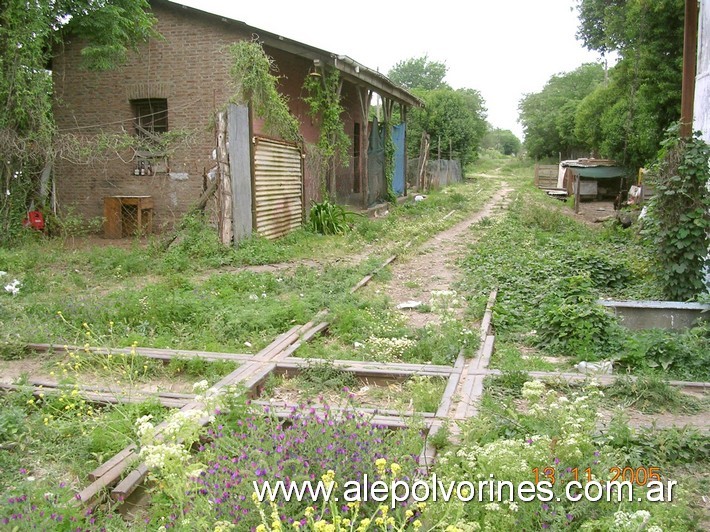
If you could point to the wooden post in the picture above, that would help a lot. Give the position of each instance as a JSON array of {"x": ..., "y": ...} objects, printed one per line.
[
  {"x": 423, "y": 157},
  {"x": 537, "y": 174},
  {"x": 224, "y": 189},
  {"x": 403, "y": 114},
  {"x": 690, "y": 45},
  {"x": 365, "y": 140},
  {"x": 576, "y": 195},
  {"x": 438, "y": 161}
]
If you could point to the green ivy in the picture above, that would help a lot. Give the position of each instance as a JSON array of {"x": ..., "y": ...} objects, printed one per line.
[
  {"x": 679, "y": 215},
  {"x": 324, "y": 102},
  {"x": 389, "y": 163},
  {"x": 252, "y": 74}
]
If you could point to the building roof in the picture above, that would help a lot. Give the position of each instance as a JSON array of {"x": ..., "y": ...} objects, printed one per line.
[{"x": 350, "y": 69}]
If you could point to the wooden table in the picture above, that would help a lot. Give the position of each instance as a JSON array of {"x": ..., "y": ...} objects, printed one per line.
[{"x": 127, "y": 216}]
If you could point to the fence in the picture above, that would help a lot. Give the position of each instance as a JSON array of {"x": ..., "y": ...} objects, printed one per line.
[{"x": 439, "y": 173}]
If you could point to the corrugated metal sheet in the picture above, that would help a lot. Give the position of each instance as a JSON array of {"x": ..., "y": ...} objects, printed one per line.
[{"x": 278, "y": 187}]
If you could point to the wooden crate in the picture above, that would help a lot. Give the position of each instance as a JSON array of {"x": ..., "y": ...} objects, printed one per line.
[{"x": 127, "y": 216}]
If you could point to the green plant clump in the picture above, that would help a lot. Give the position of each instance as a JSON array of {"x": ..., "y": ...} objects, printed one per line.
[
  {"x": 679, "y": 215},
  {"x": 571, "y": 322},
  {"x": 329, "y": 218}
]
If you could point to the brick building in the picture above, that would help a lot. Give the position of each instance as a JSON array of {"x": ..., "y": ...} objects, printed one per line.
[{"x": 179, "y": 83}]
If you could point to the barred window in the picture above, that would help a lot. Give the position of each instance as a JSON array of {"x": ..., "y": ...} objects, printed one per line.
[{"x": 150, "y": 116}]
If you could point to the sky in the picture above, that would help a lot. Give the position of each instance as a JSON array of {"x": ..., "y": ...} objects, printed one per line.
[{"x": 504, "y": 49}]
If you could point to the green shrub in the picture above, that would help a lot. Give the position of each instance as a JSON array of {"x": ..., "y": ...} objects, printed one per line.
[
  {"x": 329, "y": 218},
  {"x": 684, "y": 355},
  {"x": 570, "y": 321},
  {"x": 678, "y": 216}
]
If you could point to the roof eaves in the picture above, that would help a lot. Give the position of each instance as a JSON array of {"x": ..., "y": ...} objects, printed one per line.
[{"x": 348, "y": 66}]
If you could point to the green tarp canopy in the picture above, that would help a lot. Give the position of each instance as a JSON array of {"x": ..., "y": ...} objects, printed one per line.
[{"x": 599, "y": 172}]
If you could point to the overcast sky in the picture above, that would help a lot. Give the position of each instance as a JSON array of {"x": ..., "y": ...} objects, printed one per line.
[{"x": 504, "y": 49}]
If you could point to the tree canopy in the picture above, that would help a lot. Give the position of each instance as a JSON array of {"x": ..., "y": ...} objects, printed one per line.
[
  {"x": 503, "y": 140},
  {"x": 548, "y": 117},
  {"x": 623, "y": 115},
  {"x": 419, "y": 73},
  {"x": 454, "y": 119},
  {"x": 627, "y": 118}
]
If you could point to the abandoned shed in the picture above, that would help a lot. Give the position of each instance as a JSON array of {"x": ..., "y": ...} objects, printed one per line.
[
  {"x": 597, "y": 178},
  {"x": 179, "y": 84}
]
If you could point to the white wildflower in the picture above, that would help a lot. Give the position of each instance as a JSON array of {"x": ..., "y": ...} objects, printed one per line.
[{"x": 200, "y": 386}]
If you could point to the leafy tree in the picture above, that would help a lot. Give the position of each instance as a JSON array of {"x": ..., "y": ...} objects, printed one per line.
[
  {"x": 456, "y": 118},
  {"x": 503, "y": 140},
  {"x": 419, "y": 73},
  {"x": 28, "y": 32},
  {"x": 548, "y": 116},
  {"x": 627, "y": 119}
]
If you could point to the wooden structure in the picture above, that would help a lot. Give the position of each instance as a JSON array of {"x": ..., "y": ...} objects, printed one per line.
[
  {"x": 465, "y": 385},
  {"x": 127, "y": 216},
  {"x": 546, "y": 176}
]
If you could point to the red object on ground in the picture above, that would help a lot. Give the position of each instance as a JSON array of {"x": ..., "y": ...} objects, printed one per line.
[{"x": 35, "y": 220}]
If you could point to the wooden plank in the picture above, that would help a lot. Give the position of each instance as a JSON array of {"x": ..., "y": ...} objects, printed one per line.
[
  {"x": 428, "y": 454},
  {"x": 360, "y": 367},
  {"x": 239, "y": 135},
  {"x": 112, "y": 218},
  {"x": 98, "y": 397},
  {"x": 448, "y": 395},
  {"x": 224, "y": 189},
  {"x": 128, "y": 485},
  {"x": 487, "y": 352},
  {"x": 147, "y": 352},
  {"x": 109, "y": 477},
  {"x": 369, "y": 277},
  {"x": 110, "y": 464}
]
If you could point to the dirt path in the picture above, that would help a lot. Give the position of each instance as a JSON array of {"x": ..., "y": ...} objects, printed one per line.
[{"x": 433, "y": 268}]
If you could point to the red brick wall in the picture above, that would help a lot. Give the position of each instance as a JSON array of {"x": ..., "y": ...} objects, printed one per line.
[{"x": 190, "y": 67}]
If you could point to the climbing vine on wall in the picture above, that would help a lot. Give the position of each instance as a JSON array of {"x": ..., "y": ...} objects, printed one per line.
[
  {"x": 322, "y": 94},
  {"x": 679, "y": 215},
  {"x": 389, "y": 162},
  {"x": 255, "y": 81}
]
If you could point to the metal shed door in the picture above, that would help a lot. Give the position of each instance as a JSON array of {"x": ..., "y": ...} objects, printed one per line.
[{"x": 278, "y": 187}]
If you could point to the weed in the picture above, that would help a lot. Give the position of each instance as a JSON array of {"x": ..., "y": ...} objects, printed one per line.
[
  {"x": 441, "y": 439},
  {"x": 424, "y": 392},
  {"x": 570, "y": 321},
  {"x": 70, "y": 224},
  {"x": 664, "y": 447},
  {"x": 200, "y": 368},
  {"x": 650, "y": 394},
  {"x": 13, "y": 427},
  {"x": 508, "y": 357},
  {"x": 13, "y": 350},
  {"x": 507, "y": 384},
  {"x": 316, "y": 377},
  {"x": 684, "y": 355},
  {"x": 329, "y": 218}
]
